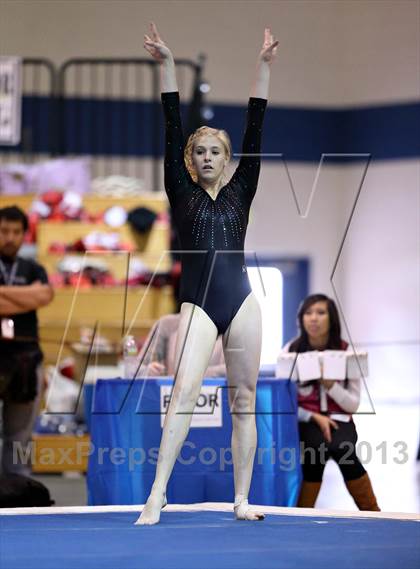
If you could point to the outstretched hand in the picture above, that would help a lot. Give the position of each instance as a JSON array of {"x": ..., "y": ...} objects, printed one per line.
[
  {"x": 269, "y": 48},
  {"x": 155, "y": 45}
]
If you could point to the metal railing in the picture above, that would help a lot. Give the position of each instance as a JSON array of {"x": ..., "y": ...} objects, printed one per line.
[{"x": 105, "y": 108}]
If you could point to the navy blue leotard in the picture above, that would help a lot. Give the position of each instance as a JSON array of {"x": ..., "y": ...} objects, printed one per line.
[{"x": 212, "y": 232}]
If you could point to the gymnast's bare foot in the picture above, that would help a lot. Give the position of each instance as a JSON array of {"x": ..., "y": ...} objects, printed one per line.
[
  {"x": 243, "y": 512},
  {"x": 151, "y": 511}
]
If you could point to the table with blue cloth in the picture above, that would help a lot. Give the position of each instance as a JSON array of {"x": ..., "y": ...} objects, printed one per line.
[{"x": 125, "y": 425}]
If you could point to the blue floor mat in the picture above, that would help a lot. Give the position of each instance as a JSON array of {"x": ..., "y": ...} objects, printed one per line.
[{"x": 206, "y": 540}]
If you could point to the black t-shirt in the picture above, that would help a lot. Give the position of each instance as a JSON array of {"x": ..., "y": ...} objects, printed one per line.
[{"x": 26, "y": 272}]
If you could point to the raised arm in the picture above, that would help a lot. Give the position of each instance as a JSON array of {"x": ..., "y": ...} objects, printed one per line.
[
  {"x": 176, "y": 173},
  {"x": 160, "y": 52},
  {"x": 265, "y": 59},
  {"x": 249, "y": 165}
]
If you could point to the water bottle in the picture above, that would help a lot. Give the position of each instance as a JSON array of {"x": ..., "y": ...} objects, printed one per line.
[{"x": 130, "y": 354}]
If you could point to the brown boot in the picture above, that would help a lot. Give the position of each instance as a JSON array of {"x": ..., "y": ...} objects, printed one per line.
[
  {"x": 362, "y": 493},
  {"x": 308, "y": 494}
]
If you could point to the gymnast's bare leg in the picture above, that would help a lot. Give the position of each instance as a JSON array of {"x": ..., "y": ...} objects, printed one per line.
[
  {"x": 196, "y": 338},
  {"x": 242, "y": 349}
]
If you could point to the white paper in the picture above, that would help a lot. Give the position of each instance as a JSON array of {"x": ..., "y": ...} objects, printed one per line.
[
  {"x": 357, "y": 365},
  {"x": 10, "y": 100},
  {"x": 334, "y": 364},
  {"x": 308, "y": 366},
  {"x": 207, "y": 412},
  {"x": 286, "y": 367}
]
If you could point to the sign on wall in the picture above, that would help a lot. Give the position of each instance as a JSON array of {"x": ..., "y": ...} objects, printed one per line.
[
  {"x": 207, "y": 412},
  {"x": 10, "y": 100}
]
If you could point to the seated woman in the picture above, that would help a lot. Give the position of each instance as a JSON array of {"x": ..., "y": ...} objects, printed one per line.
[
  {"x": 157, "y": 355},
  {"x": 325, "y": 408}
]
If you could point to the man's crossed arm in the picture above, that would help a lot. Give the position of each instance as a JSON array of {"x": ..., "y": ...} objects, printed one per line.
[{"x": 20, "y": 299}]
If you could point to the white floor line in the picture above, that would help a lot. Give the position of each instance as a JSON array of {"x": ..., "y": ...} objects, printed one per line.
[{"x": 214, "y": 507}]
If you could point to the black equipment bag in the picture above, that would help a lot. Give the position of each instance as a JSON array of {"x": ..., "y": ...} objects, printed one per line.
[{"x": 17, "y": 491}]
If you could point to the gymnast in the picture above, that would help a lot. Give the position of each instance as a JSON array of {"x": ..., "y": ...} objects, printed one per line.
[{"x": 211, "y": 218}]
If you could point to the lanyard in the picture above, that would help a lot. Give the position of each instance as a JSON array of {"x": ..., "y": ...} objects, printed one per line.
[{"x": 8, "y": 278}]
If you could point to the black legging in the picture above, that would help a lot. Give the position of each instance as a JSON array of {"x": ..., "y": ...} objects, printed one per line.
[{"x": 315, "y": 451}]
